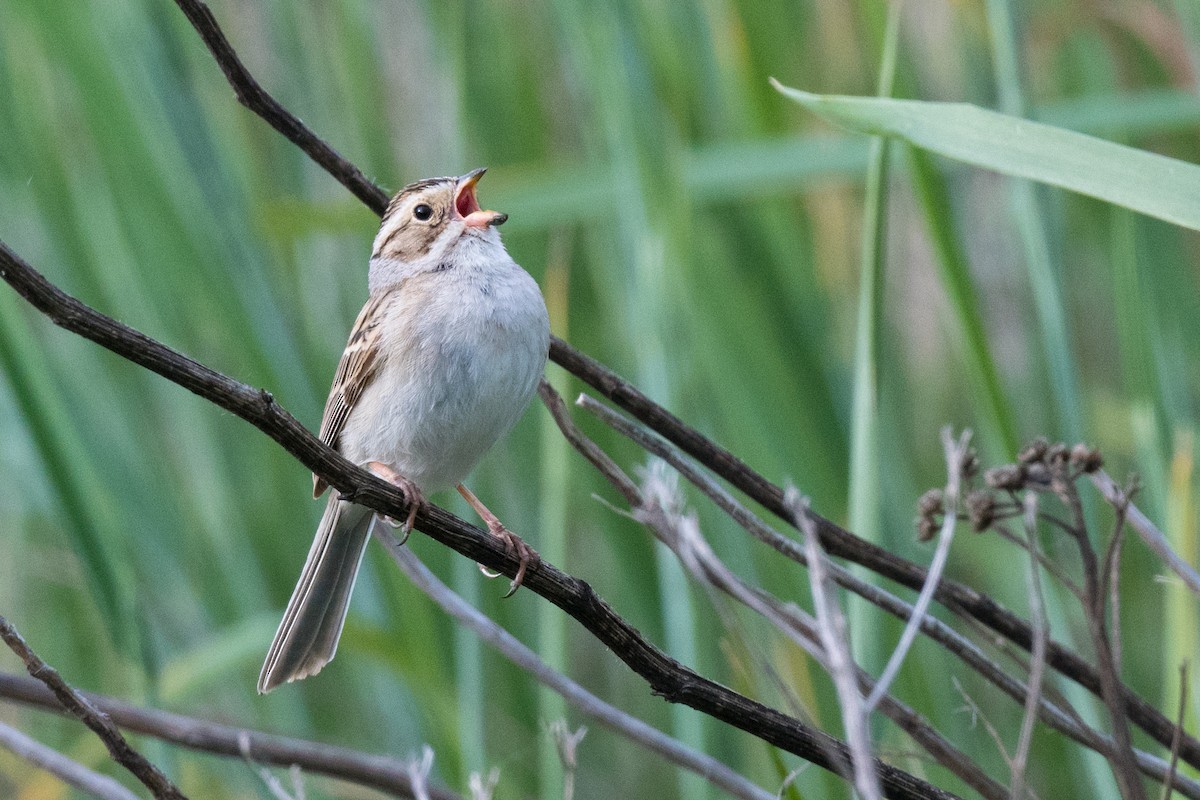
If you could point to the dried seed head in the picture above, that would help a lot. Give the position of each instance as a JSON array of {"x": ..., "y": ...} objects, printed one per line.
[
  {"x": 1008, "y": 476},
  {"x": 970, "y": 464},
  {"x": 1086, "y": 458},
  {"x": 1034, "y": 451},
  {"x": 981, "y": 509},
  {"x": 930, "y": 503},
  {"x": 926, "y": 528}
]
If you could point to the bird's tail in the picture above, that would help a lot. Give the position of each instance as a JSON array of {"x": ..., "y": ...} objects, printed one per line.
[{"x": 308, "y": 635}]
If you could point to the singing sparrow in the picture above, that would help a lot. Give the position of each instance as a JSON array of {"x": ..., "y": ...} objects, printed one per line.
[{"x": 441, "y": 362}]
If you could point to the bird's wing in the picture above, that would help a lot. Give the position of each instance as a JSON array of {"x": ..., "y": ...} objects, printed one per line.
[{"x": 355, "y": 372}]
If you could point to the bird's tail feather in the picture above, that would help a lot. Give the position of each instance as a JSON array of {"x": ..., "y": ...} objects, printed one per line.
[{"x": 308, "y": 635}]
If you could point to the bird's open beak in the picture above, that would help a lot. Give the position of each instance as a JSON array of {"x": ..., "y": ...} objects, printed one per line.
[{"x": 466, "y": 207}]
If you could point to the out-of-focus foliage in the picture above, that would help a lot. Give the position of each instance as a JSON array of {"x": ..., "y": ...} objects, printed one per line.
[{"x": 691, "y": 227}]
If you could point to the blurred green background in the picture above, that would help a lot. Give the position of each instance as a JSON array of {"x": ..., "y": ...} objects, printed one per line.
[{"x": 690, "y": 227}]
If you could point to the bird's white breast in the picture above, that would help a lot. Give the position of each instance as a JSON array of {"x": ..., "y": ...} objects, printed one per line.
[{"x": 462, "y": 351}]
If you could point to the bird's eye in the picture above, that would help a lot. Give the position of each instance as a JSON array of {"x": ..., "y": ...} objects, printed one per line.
[{"x": 422, "y": 212}]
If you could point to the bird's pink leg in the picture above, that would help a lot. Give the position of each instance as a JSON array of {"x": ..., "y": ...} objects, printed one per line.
[
  {"x": 412, "y": 494},
  {"x": 514, "y": 544}
]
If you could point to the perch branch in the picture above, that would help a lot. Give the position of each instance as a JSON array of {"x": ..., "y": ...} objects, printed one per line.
[
  {"x": 837, "y": 541},
  {"x": 668, "y": 678}
]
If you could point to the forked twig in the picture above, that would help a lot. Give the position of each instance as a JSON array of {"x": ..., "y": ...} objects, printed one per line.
[{"x": 83, "y": 710}]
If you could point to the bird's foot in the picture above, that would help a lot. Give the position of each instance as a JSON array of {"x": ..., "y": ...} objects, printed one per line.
[
  {"x": 518, "y": 548},
  {"x": 412, "y": 495},
  {"x": 513, "y": 545}
]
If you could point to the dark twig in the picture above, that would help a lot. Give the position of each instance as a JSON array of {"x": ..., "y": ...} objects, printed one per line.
[
  {"x": 65, "y": 769},
  {"x": 668, "y": 678},
  {"x": 837, "y": 541},
  {"x": 1179, "y": 715},
  {"x": 1110, "y": 575},
  {"x": 255, "y": 98},
  {"x": 83, "y": 710},
  {"x": 1122, "y": 760},
  {"x": 379, "y": 772}
]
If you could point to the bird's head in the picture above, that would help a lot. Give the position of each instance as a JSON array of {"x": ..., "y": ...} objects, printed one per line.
[{"x": 427, "y": 222}]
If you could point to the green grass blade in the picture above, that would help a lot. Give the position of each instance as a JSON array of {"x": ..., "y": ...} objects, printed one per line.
[
  {"x": 1155, "y": 185},
  {"x": 998, "y": 419}
]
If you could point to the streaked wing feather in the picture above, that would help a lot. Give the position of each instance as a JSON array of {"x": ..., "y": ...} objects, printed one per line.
[{"x": 357, "y": 368}]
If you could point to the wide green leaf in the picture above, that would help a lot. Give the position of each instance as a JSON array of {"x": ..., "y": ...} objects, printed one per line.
[{"x": 1125, "y": 176}]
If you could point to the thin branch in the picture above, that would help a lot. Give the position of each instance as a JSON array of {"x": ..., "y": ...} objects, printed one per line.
[
  {"x": 65, "y": 769},
  {"x": 379, "y": 772},
  {"x": 837, "y": 542},
  {"x": 1154, "y": 538},
  {"x": 83, "y": 710},
  {"x": 255, "y": 98},
  {"x": 418, "y": 771},
  {"x": 659, "y": 508},
  {"x": 1046, "y": 563},
  {"x": 1179, "y": 715},
  {"x": 566, "y": 743},
  {"x": 1037, "y": 667},
  {"x": 956, "y": 457},
  {"x": 273, "y": 784},
  {"x": 978, "y": 716},
  {"x": 1111, "y": 579},
  {"x": 1058, "y": 714},
  {"x": 1121, "y": 760},
  {"x": 606, "y": 714},
  {"x": 666, "y": 677},
  {"x": 831, "y": 625}
]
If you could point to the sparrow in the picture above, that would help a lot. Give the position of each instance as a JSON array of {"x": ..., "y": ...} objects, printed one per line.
[{"x": 441, "y": 362}]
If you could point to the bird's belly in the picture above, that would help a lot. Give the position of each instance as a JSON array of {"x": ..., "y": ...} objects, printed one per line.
[{"x": 443, "y": 396}]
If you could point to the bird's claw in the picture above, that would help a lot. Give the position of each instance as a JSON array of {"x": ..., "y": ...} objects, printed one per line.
[
  {"x": 516, "y": 546},
  {"x": 412, "y": 495}
]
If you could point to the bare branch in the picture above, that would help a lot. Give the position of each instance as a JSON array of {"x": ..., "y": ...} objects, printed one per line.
[
  {"x": 659, "y": 509},
  {"x": 956, "y": 458},
  {"x": 379, "y": 772},
  {"x": 83, "y": 710},
  {"x": 1037, "y": 667},
  {"x": 1057, "y": 714},
  {"x": 673, "y": 681},
  {"x": 831, "y": 625},
  {"x": 1179, "y": 715},
  {"x": 608, "y": 715},
  {"x": 1122, "y": 759},
  {"x": 65, "y": 769},
  {"x": 837, "y": 542},
  {"x": 567, "y": 744},
  {"x": 255, "y": 98},
  {"x": 1155, "y": 539}
]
